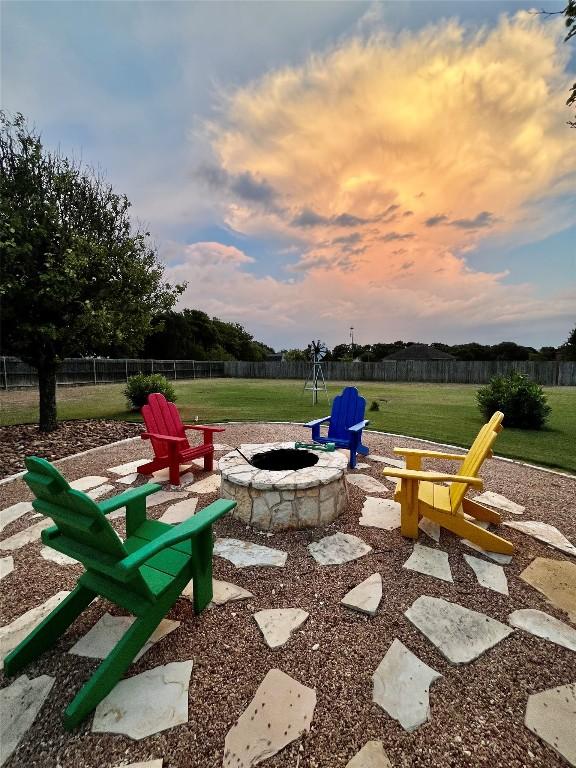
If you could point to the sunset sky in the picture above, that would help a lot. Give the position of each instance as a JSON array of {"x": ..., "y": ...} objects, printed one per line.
[{"x": 403, "y": 167}]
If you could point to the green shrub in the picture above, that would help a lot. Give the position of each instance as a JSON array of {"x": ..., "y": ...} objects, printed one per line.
[
  {"x": 140, "y": 386},
  {"x": 374, "y": 406},
  {"x": 522, "y": 401}
]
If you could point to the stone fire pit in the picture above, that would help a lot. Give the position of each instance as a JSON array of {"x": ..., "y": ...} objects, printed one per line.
[{"x": 272, "y": 495}]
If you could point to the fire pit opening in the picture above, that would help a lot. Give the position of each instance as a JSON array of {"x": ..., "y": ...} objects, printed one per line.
[{"x": 284, "y": 458}]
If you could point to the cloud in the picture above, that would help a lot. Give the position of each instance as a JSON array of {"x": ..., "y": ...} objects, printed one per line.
[
  {"x": 245, "y": 185},
  {"x": 433, "y": 221},
  {"x": 349, "y": 140},
  {"x": 483, "y": 219}
]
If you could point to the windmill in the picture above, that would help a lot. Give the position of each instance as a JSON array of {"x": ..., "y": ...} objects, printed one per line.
[{"x": 315, "y": 381}]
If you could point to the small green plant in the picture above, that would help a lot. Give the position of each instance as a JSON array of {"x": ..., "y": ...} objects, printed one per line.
[
  {"x": 522, "y": 401},
  {"x": 140, "y": 386},
  {"x": 374, "y": 406}
]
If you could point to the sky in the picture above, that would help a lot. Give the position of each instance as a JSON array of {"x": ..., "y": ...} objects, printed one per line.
[{"x": 404, "y": 168}]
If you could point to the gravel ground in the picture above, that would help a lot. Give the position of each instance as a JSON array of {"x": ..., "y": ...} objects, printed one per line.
[
  {"x": 71, "y": 437},
  {"x": 477, "y": 710}
]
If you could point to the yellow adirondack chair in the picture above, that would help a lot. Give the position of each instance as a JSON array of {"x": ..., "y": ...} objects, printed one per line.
[{"x": 422, "y": 493}]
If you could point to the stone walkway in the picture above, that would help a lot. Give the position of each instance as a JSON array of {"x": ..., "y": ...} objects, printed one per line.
[{"x": 348, "y": 621}]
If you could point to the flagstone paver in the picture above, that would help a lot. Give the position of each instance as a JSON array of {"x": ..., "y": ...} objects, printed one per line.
[
  {"x": 498, "y": 501},
  {"x": 551, "y": 715},
  {"x": 147, "y": 764},
  {"x": 556, "y": 580},
  {"x": 223, "y": 447},
  {"x": 20, "y": 703},
  {"x": 6, "y": 566},
  {"x": 180, "y": 511},
  {"x": 278, "y": 624},
  {"x": 209, "y": 484},
  {"x": 401, "y": 686},
  {"x": 280, "y": 712},
  {"x": 460, "y": 634},
  {"x": 244, "y": 554},
  {"x": 366, "y": 596},
  {"x": 360, "y": 465},
  {"x": 100, "y": 490},
  {"x": 162, "y": 497},
  {"x": 367, "y": 483},
  {"x": 497, "y": 557},
  {"x": 543, "y": 625},
  {"x": 430, "y": 528},
  {"x": 222, "y": 592},
  {"x": 128, "y": 479},
  {"x": 549, "y": 534},
  {"x": 147, "y": 703},
  {"x": 400, "y": 463},
  {"x": 380, "y": 513},
  {"x": 372, "y": 755},
  {"x": 338, "y": 548},
  {"x": 431, "y": 562},
  {"x": 57, "y": 557},
  {"x": 489, "y": 575},
  {"x": 88, "y": 482},
  {"x": 14, "y": 512},
  {"x": 108, "y": 631},
  {"x": 129, "y": 467},
  {"x": 27, "y": 536},
  {"x": 12, "y": 634}
]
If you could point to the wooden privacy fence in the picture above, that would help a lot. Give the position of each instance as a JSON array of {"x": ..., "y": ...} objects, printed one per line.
[
  {"x": 551, "y": 374},
  {"x": 14, "y": 373}
]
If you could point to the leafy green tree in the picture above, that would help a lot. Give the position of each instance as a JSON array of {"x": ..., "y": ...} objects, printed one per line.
[
  {"x": 298, "y": 355},
  {"x": 77, "y": 278},
  {"x": 568, "y": 349}
]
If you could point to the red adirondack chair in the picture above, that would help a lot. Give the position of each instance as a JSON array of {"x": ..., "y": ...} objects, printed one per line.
[{"x": 167, "y": 434}]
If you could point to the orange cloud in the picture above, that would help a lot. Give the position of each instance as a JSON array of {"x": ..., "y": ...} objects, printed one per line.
[{"x": 390, "y": 158}]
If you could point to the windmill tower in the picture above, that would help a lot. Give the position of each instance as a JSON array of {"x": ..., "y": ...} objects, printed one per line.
[{"x": 315, "y": 381}]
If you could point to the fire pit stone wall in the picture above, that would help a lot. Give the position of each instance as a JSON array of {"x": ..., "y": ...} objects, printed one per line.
[{"x": 277, "y": 500}]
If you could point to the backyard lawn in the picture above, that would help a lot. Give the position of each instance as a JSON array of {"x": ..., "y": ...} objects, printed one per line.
[{"x": 439, "y": 412}]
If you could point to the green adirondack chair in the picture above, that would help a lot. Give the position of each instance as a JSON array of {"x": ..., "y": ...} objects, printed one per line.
[{"x": 145, "y": 574}]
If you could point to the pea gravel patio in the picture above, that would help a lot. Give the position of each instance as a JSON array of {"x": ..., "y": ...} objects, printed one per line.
[{"x": 477, "y": 710}]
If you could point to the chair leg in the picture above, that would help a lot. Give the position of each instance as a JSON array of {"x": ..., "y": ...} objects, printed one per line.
[
  {"x": 50, "y": 630},
  {"x": 480, "y": 512},
  {"x": 202, "y": 545},
  {"x": 467, "y": 530},
  {"x": 174, "y": 464},
  {"x": 209, "y": 461},
  {"x": 409, "y": 513},
  {"x": 114, "y": 665},
  {"x": 363, "y": 450}
]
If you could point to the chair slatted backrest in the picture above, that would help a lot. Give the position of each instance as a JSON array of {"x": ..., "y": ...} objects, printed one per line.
[
  {"x": 347, "y": 409},
  {"x": 479, "y": 451},
  {"x": 83, "y": 531},
  {"x": 162, "y": 417}
]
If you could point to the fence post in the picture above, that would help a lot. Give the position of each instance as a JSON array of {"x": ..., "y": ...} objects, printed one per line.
[
  {"x": 209, "y": 369},
  {"x": 193, "y": 369},
  {"x": 174, "y": 370},
  {"x": 152, "y": 369},
  {"x": 94, "y": 368},
  {"x": 5, "y": 374},
  {"x": 126, "y": 368}
]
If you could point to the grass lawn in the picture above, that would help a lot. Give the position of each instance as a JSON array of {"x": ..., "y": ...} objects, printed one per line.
[{"x": 440, "y": 412}]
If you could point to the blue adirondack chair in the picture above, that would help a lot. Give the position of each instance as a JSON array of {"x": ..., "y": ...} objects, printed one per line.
[{"x": 345, "y": 424}]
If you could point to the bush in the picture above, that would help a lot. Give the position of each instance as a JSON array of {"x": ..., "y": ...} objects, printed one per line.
[
  {"x": 522, "y": 401},
  {"x": 139, "y": 387},
  {"x": 374, "y": 406}
]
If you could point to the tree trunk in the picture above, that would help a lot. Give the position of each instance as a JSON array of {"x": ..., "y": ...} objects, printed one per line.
[{"x": 47, "y": 388}]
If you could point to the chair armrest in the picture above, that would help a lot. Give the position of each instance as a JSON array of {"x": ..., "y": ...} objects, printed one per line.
[
  {"x": 123, "y": 499},
  {"x": 181, "y": 532},
  {"x": 359, "y": 427},
  {"x": 430, "y": 454},
  {"x": 433, "y": 477},
  {"x": 317, "y": 421},
  {"x": 166, "y": 438},
  {"x": 204, "y": 428}
]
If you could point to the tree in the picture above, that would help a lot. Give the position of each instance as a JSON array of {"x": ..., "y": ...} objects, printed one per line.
[
  {"x": 77, "y": 278},
  {"x": 568, "y": 349}
]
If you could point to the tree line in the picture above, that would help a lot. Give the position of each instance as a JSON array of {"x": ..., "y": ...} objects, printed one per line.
[{"x": 505, "y": 350}]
